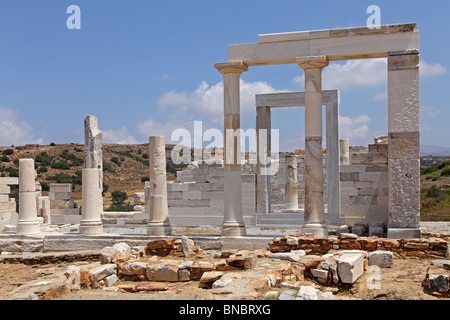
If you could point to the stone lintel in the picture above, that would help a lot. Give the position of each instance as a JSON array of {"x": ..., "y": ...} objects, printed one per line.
[{"x": 334, "y": 33}]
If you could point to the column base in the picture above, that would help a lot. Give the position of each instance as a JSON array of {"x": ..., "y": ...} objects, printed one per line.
[
  {"x": 90, "y": 228},
  {"x": 291, "y": 207},
  {"x": 296, "y": 210},
  {"x": 316, "y": 229},
  {"x": 28, "y": 227},
  {"x": 159, "y": 229},
  {"x": 234, "y": 229},
  {"x": 404, "y": 233}
]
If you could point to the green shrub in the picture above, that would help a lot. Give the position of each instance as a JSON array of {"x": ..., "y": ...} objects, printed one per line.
[
  {"x": 13, "y": 172},
  {"x": 60, "y": 178},
  {"x": 119, "y": 197},
  {"x": 44, "y": 159},
  {"x": 108, "y": 167},
  {"x": 143, "y": 161},
  {"x": 445, "y": 172},
  {"x": 434, "y": 192},
  {"x": 42, "y": 169},
  {"x": 145, "y": 178},
  {"x": 52, "y": 144},
  {"x": 122, "y": 208},
  {"x": 76, "y": 180},
  {"x": 45, "y": 186},
  {"x": 8, "y": 152},
  {"x": 444, "y": 164},
  {"x": 60, "y": 165},
  {"x": 4, "y": 158}
]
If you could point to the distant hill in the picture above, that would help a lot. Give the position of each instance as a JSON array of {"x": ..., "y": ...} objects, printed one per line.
[
  {"x": 125, "y": 167},
  {"x": 426, "y": 150}
]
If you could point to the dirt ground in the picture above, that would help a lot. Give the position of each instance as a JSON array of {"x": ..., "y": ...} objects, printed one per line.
[{"x": 401, "y": 282}]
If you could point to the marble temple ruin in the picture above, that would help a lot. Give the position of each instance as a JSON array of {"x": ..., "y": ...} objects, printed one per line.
[{"x": 378, "y": 186}]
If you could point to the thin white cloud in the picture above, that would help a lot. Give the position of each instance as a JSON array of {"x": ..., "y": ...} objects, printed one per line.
[
  {"x": 351, "y": 74},
  {"x": 431, "y": 112},
  {"x": 431, "y": 70},
  {"x": 15, "y": 132},
  {"x": 356, "y": 129},
  {"x": 121, "y": 136},
  {"x": 151, "y": 127},
  {"x": 165, "y": 77},
  {"x": 381, "y": 96},
  {"x": 206, "y": 102},
  {"x": 364, "y": 73}
]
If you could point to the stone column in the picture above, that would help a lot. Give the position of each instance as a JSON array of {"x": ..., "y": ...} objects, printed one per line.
[
  {"x": 344, "y": 152},
  {"x": 158, "y": 224},
  {"x": 263, "y": 129},
  {"x": 92, "y": 203},
  {"x": 28, "y": 222},
  {"x": 233, "y": 223},
  {"x": 93, "y": 146},
  {"x": 333, "y": 215},
  {"x": 291, "y": 186},
  {"x": 314, "y": 200},
  {"x": 404, "y": 144}
]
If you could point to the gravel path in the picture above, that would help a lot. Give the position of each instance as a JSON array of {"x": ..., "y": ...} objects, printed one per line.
[{"x": 441, "y": 227}]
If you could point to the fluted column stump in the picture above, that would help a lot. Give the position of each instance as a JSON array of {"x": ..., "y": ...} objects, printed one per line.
[
  {"x": 28, "y": 222},
  {"x": 314, "y": 201},
  {"x": 92, "y": 203},
  {"x": 158, "y": 224},
  {"x": 291, "y": 186},
  {"x": 344, "y": 151}
]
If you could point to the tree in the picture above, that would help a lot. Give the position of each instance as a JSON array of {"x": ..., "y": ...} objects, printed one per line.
[{"x": 119, "y": 197}]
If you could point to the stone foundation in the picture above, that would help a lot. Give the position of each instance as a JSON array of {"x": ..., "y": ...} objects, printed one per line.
[{"x": 406, "y": 248}]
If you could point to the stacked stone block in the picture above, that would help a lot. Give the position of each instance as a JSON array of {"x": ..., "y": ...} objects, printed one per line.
[
  {"x": 198, "y": 192},
  {"x": 278, "y": 182},
  {"x": 8, "y": 214},
  {"x": 63, "y": 208},
  {"x": 364, "y": 187}
]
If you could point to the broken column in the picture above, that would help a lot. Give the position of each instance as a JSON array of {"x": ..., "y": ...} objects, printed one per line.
[
  {"x": 314, "y": 200},
  {"x": 93, "y": 146},
  {"x": 291, "y": 186},
  {"x": 92, "y": 207},
  {"x": 344, "y": 151},
  {"x": 28, "y": 222},
  {"x": 158, "y": 224},
  {"x": 404, "y": 144},
  {"x": 233, "y": 222}
]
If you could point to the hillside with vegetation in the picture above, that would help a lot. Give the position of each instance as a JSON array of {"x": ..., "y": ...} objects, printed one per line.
[
  {"x": 125, "y": 167},
  {"x": 435, "y": 188}
]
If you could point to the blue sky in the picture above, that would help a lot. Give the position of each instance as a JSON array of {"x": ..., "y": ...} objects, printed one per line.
[{"x": 146, "y": 67}]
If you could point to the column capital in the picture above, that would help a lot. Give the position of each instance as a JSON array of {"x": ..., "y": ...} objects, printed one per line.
[
  {"x": 231, "y": 67},
  {"x": 403, "y": 60},
  {"x": 312, "y": 62}
]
